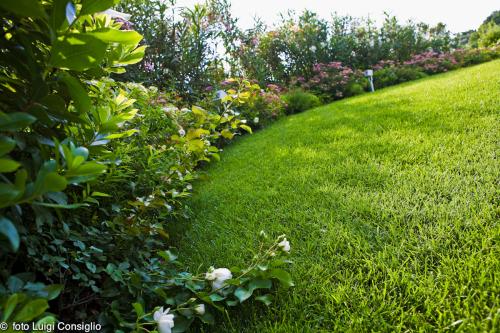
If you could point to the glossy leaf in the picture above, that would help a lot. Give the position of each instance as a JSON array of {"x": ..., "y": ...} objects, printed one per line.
[
  {"x": 244, "y": 293},
  {"x": 77, "y": 51},
  {"x": 94, "y": 6},
  {"x": 6, "y": 145},
  {"x": 283, "y": 276},
  {"x": 8, "y": 165},
  {"x": 53, "y": 291},
  {"x": 32, "y": 310},
  {"x": 139, "y": 311},
  {"x": 9, "y": 306},
  {"x": 58, "y": 14},
  {"x": 125, "y": 37},
  {"x": 77, "y": 92},
  {"x": 133, "y": 57},
  {"x": 246, "y": 128},
  {"x": 8, "y": 229},
  {"x": 266, "y": 299},
  {"x": 15, "y": 121},
  {"x": 31, "y": 8}
]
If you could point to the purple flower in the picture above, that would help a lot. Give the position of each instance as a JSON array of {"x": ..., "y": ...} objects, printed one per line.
[{"x": 148, "y": 66}]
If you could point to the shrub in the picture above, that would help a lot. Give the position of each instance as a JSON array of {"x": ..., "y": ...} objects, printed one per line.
[
  {"x": 183, "y": 44},
  {"x": 248, "y": 101},
  {"x": 432, "y": 62},
  {"x": 298, "y": 101},
  {"x": 92, "y": 170},
  {"x": 394, "y": 75},
  {"x": 391, "y": 72},
  {"x": 332, "y": 81},
  {"x": 468, "y": 57}
]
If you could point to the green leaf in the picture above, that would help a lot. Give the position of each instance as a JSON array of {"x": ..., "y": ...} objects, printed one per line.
[
  {"x": 244, "y": 293},
  {"x": 9, "y": 306},
  {"x": 9, "y": 230},
  {"x": 138, "y": 309},
  {"x": 91, "y": 266},
  {"x": 94, "y": 6},
  {"x": 122, "y": 134},
  {"x": 283, "y": 276},
  {"x": 133, "y": 57},
  {"x": 246, "y": 128},
  {"x": 8, "y": 165},
  {"x": 182, "y": 324},
  {"x": 15, "y": 284},
  {"x": 15, "y": 121},
  {"x": 9, "y": 194},
  {"x": 227, "y": 134},
  {"x": 100, "y": 194},
  {"x": 32, "y": 310},
  {"x": 108, "y": 35},
  {"x": 208, "y": 318},
  {"x": 31, "y": 8},
  {"x": 196, "y": 145},
  {"x": 58, "y": 14},
  {"x": 53, "y": 291},
  {"x": 48, "y": 180},
  {"x": 54, "y": 182},
  {"x": 198, "y": 111},
  {"x": 77, "y": 51},
  {"x": 78, "y": 93},
  {"x": 216, "y": 297},
  {"x": 45, "y": 321},
  {"x": 266, "y": 299},
  {"x": 6, "y": 145},
  {"x": 62, "y": 206},
  {"x": 85, "y": 172}
]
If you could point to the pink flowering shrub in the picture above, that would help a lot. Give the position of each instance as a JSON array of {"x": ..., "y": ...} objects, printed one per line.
[
  {"x": 389, "y": 72},
  {"x": 332, "y": 81},
  {"x": 433, "y": 62}
]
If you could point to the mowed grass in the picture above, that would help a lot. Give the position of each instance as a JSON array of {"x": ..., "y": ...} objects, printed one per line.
[{"x": 390, "y": 201}]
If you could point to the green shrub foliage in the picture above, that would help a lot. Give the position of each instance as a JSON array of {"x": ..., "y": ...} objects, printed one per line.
[
  {"x": 298, "y": 101},
  {"x": 92, "y": 170}
]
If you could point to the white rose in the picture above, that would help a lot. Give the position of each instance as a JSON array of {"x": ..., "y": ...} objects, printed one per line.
[
  {"x": 200, "y": 309},
  {"x": 164, "y": 320},
  {"x": 284, "y": 245},
  {"x": 218, "y": 277},
  {"x": 182, "y": 132},
  {"x": 256, "y": 120}
]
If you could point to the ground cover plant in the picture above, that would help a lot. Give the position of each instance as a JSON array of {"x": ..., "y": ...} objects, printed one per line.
[{"x": 391, "y": 200}]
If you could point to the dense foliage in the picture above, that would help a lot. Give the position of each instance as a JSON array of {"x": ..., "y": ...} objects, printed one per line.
[
  {"x": 488, "y": 33},
  {"x": 92, "y": 171}
]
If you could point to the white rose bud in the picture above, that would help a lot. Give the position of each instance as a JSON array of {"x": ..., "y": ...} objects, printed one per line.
[{"x": 200, "y": 309}]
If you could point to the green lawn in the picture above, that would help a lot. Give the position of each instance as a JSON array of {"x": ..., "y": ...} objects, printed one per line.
[{"x": 391, "y": 203}]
